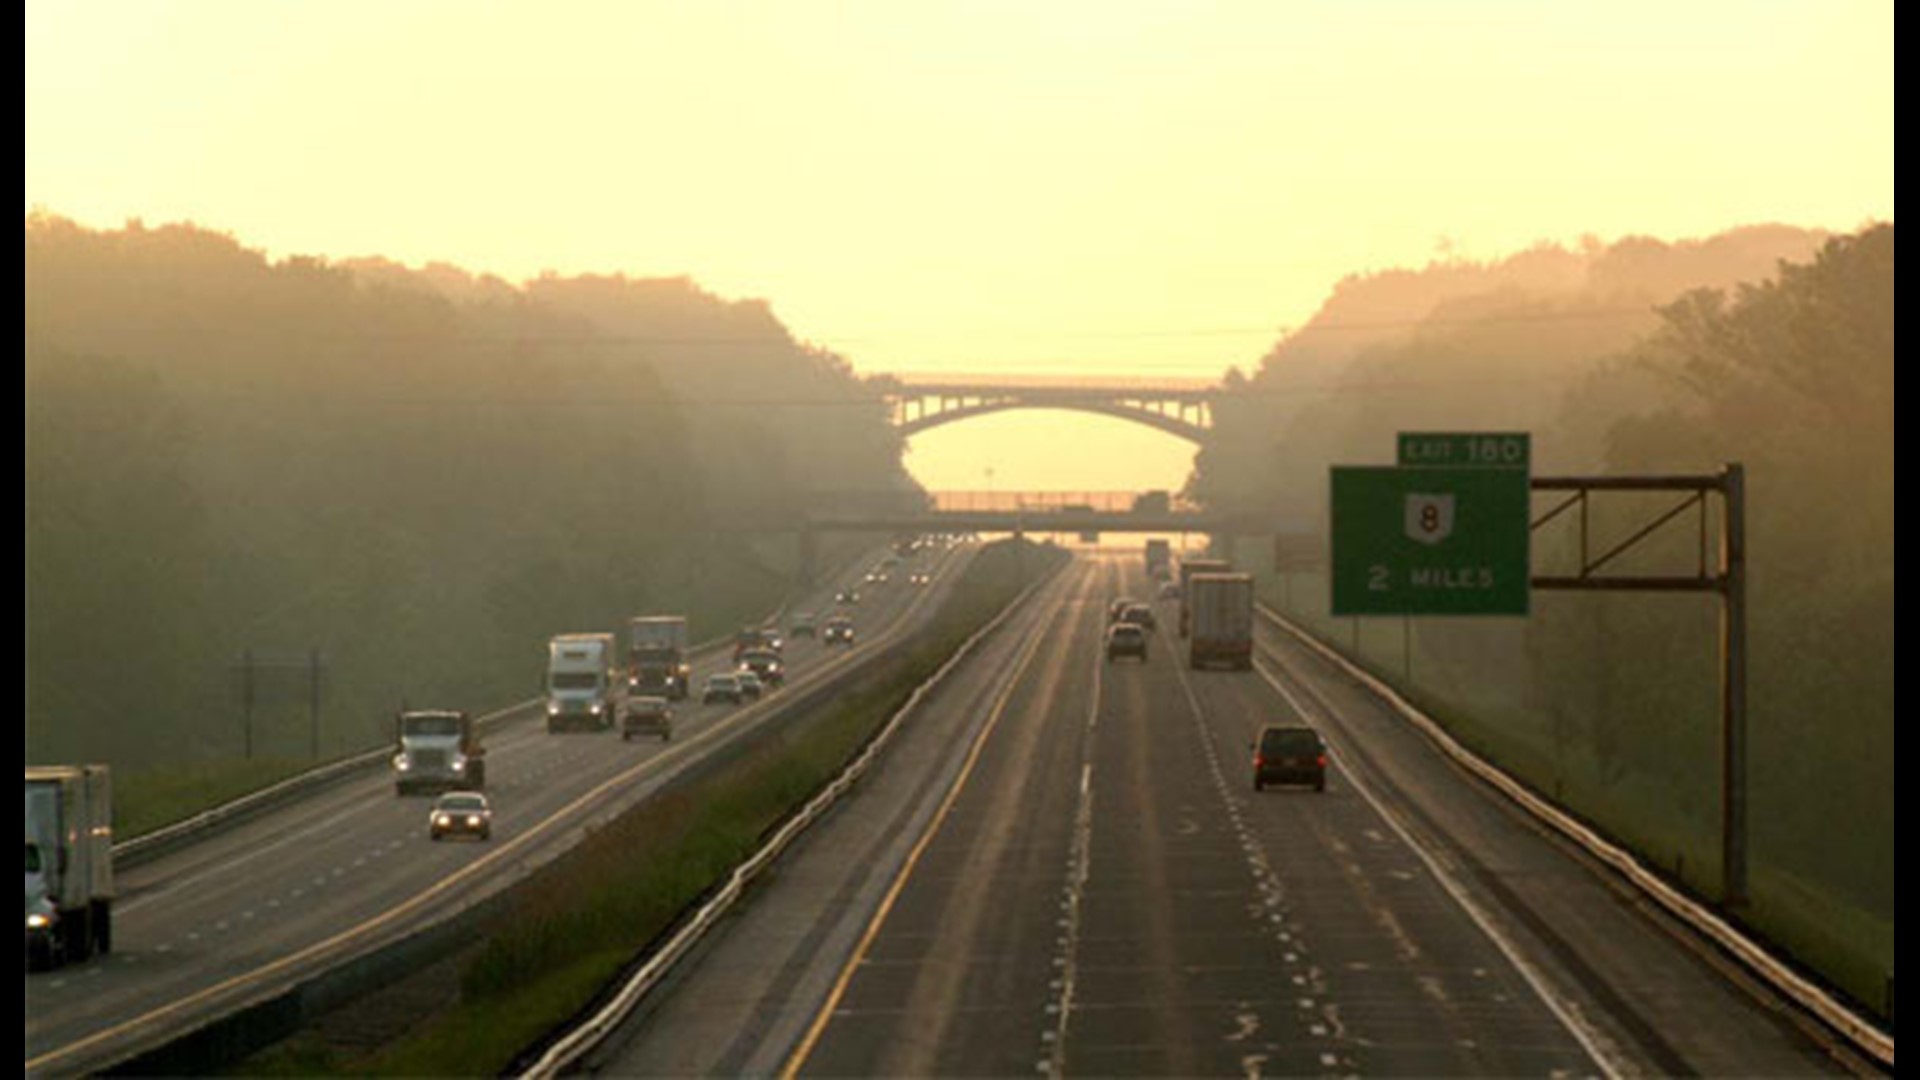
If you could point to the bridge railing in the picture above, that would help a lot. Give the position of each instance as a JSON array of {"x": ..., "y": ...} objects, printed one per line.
[{"x": 1105, "y": 502}]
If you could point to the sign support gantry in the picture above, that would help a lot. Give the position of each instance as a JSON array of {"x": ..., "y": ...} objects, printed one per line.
[{"x": 1727, "y": 577}]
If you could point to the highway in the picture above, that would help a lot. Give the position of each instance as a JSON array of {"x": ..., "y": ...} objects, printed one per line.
[
  {"x": 244, "y": 914},
  {"x": 1062, "y": 868}
]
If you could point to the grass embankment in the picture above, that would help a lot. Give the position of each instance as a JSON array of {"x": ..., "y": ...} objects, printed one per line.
[
  {"x": 148, "y": 797},
  {"x": 1617, "y": 722},
  {"x": 574, "y": 926}
]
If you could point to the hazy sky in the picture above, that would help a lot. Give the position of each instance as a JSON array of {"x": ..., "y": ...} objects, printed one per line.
[{"x": 1043, "y": 185}]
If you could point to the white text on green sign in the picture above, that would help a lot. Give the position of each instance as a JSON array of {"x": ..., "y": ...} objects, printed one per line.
[{"x": 1465, "y": 450}]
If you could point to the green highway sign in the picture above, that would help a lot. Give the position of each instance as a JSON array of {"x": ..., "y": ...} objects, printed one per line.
[
  {"x": 1462, "y": 450},
  {"x": 1430, "y": 541}
]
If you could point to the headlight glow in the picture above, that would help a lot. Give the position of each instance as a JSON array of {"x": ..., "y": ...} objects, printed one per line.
[{"x": 38, "y": 920}]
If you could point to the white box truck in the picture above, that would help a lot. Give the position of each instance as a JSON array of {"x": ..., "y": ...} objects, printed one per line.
[
  {"x": 69, "y": 863},
  {"x": 580, "y": 682},
  {"x": 657, "y": 656},
  {"x": 1222, "y": 606}
]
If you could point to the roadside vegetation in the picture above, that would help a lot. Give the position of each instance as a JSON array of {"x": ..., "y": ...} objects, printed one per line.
[
  {"x": 416, "y": 475},
  {"x": 151, "y": 798},
  {"x": 576, "y": 925},
  {"x": 1633, "y": 360}
]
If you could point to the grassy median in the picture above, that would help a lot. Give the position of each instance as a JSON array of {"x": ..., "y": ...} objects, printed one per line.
[{"x": 574, "y": 926}]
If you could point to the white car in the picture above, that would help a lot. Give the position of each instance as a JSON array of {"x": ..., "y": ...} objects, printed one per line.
[
  {"x": 750, "y": 685},
  {"x": 460, "y": 813},
  {"x": 722, "y": 688}
]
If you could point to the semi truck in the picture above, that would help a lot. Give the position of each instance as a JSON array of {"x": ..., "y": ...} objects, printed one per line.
[
  {"x": 1188, "y": 568},
  {"x": 580, "y": 683},
  {"x": 69, "y": 829},
  {"x": 1222, "y": 606},
  {"x": 657, "y": 656},
  {"x": 437, "y": 750}
]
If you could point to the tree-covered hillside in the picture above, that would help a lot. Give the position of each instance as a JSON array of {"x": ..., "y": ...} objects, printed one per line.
[
  {"x": 417, "y": 475},
  {"x": 1459, "y": 346},
  {"x": 1770, "y": 348}
]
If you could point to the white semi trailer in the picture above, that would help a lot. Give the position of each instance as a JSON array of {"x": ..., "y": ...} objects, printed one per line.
[
  {"x": 69, "y": 829},
  {"x": 581, "y": 692}
]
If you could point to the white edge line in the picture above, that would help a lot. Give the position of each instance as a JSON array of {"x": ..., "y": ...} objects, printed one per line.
[
  {"x": 236, "y": 991},
  {"x": 293, "y": 786},
  {"x": 1589, "y": 1039},
  {"x": 1753, "y": 955},
  {"x": 594, "y": 1030}
]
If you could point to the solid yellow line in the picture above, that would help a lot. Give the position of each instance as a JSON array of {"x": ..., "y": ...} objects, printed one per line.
[
  {"x": 414, "y": 905},
  {"x": 819, "y": 1026}
]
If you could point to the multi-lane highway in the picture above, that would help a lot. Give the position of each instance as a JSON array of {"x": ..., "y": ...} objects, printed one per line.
[
  {"x": 242, "y": 916},
  {"x": 1062, "y": 868}
]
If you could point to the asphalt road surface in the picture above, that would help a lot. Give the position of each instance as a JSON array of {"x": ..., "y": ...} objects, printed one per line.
[
  {"x": 1063, "y": 869},
  {"x": 241, "y": 915}
]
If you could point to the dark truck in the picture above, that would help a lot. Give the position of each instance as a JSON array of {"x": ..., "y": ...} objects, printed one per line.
[
  {"x": 657, "y": 657},
  {"x": 437, "y": 750}
]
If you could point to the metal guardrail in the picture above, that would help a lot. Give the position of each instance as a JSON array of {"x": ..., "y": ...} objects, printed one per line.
[
  {"x": 594, "y": 1030},
  {"x": 167, "y": 838},
  {"x": 1857, "y": 1030},
  {"x": 220, "y": 1033}
]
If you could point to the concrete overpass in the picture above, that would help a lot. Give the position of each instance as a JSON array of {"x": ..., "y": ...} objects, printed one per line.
[{"x": 1018, "y": 513}]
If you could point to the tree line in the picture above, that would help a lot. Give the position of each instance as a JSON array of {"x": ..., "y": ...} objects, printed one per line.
[
  {"x": 1772, "y": 347},
  {"x": 416, "y": 475}
]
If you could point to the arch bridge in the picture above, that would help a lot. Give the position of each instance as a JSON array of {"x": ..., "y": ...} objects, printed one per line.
[{"x": 1182, "y": 408}]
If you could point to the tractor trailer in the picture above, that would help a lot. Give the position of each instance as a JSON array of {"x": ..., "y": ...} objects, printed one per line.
[
  {"x": 437, "y": 751},
  {"x": 69, "y": 829},
  {"x": 1222, "y": 607},
  {"x": 1188, "y": 568},
  {"x": 580, "y": 683},
  {"x": 657, "y": 656}
]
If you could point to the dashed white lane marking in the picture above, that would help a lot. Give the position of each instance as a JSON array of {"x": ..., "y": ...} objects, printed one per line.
[
  {"x": 1269, "y": 907},
  {"x": 1590, "y": 1039},
  {"x": 1059, "y": 1009}
]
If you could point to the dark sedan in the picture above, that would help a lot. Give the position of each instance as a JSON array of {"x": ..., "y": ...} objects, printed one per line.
[{"x": 1290, "y": 754}]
